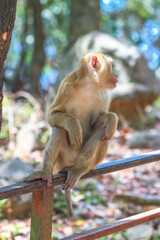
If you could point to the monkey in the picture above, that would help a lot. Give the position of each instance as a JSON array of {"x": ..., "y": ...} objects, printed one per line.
[{"x": 81, "y": 122}]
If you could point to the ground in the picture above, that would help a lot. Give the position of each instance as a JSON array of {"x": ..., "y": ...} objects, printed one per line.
[{"x": 95, "y": 200}]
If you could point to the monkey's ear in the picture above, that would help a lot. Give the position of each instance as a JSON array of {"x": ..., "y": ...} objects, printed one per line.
[
  {"x": 97, "y": 62},
  {"x": 80, "y": 71},
  {"x": 94, "y": 61}
]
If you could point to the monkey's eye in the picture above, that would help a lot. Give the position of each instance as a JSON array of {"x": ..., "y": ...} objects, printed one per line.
[{"x": 94, "y": 60}]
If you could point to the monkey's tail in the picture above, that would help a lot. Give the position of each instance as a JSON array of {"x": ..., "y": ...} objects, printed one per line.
[{"x": 69, "y": 206}]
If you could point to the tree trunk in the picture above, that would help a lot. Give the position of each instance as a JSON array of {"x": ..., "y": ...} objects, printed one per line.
[
  {"x": 18, "y": 83},
  {"x": 85, "y": 17},
  {"x": 7, "y": 18},
  {"x": 38, "y": 59}
]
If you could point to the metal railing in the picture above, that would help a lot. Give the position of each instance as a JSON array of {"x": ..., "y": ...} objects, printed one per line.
[{"x": 43, "y": 198}]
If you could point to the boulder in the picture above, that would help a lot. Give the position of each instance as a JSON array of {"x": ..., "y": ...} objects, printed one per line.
[
  {"x": 28, "y": 139},
  {"x": 138, "y": 85},
  {"x": 12, "y": 171},
  {"x": 141, "y": 232},
  {"x": 145, "y": 139}
]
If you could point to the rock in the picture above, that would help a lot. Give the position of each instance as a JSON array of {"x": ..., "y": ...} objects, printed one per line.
[
  {"x": 145, "y": 139},
  {"x": 99, "y": 211},
  {"x": 137, "y": 86},
  {"x": 141, "y": 232},
  {"x": 28, "y": 139},
  {"x": 12, "y": 171}
]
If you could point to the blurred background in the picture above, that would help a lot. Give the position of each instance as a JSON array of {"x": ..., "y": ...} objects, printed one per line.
[{"x": 48, "y": 40}]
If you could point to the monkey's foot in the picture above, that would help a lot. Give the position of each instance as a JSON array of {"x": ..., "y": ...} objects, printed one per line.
[
  {"x": 40, "y": 175},
  {"x": 72, "y": 178}
]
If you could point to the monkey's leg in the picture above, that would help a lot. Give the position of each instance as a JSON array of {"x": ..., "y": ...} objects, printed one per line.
[
  {"x": 85, "y": 160},
  {"x": 49, "y": 158},
  {"x": 94, "y": 150}
]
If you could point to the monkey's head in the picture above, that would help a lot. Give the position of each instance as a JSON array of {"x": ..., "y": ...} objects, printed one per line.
[{"x": 98, "y": 68}]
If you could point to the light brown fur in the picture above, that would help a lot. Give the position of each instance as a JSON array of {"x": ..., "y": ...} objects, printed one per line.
[{"x": 82, "y": 125}]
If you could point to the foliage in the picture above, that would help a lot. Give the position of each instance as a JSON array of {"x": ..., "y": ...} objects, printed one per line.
[
  {"x": 137, "y": 21},
  {"x": 157, "y": 102},
  {"x": 18, "y": 112},
  {"x": 2, "y": 203}
]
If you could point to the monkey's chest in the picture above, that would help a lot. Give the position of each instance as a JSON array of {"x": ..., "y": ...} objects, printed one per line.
[
  {"x": 85, "y": 106},
  {"x": 83, "y": 114}
]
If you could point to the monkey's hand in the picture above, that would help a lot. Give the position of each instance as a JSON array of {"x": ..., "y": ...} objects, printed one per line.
[
  {"x": 75, "y": 132},
  {"x": 108, "y": 122},
  {"x": 72, "y": 177},
  {"x": 108, "y": 133},
  {"x": 40, "y": 175}
]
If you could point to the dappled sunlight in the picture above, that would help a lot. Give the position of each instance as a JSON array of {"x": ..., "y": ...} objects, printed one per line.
[{"x": 48, "y": 40}]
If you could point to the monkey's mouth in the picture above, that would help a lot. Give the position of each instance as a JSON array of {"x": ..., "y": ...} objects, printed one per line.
[
  {"x": 114, "y": 74},
  {"x": 115, "y": 80}
]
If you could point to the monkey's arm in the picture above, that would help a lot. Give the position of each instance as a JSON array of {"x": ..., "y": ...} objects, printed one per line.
[
  {"x": 70, "y": 124},
  {"x": 58, "y": 116}
]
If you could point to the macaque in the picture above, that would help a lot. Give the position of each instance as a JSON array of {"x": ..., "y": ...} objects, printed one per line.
[{"x": 82, "y": 125}]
